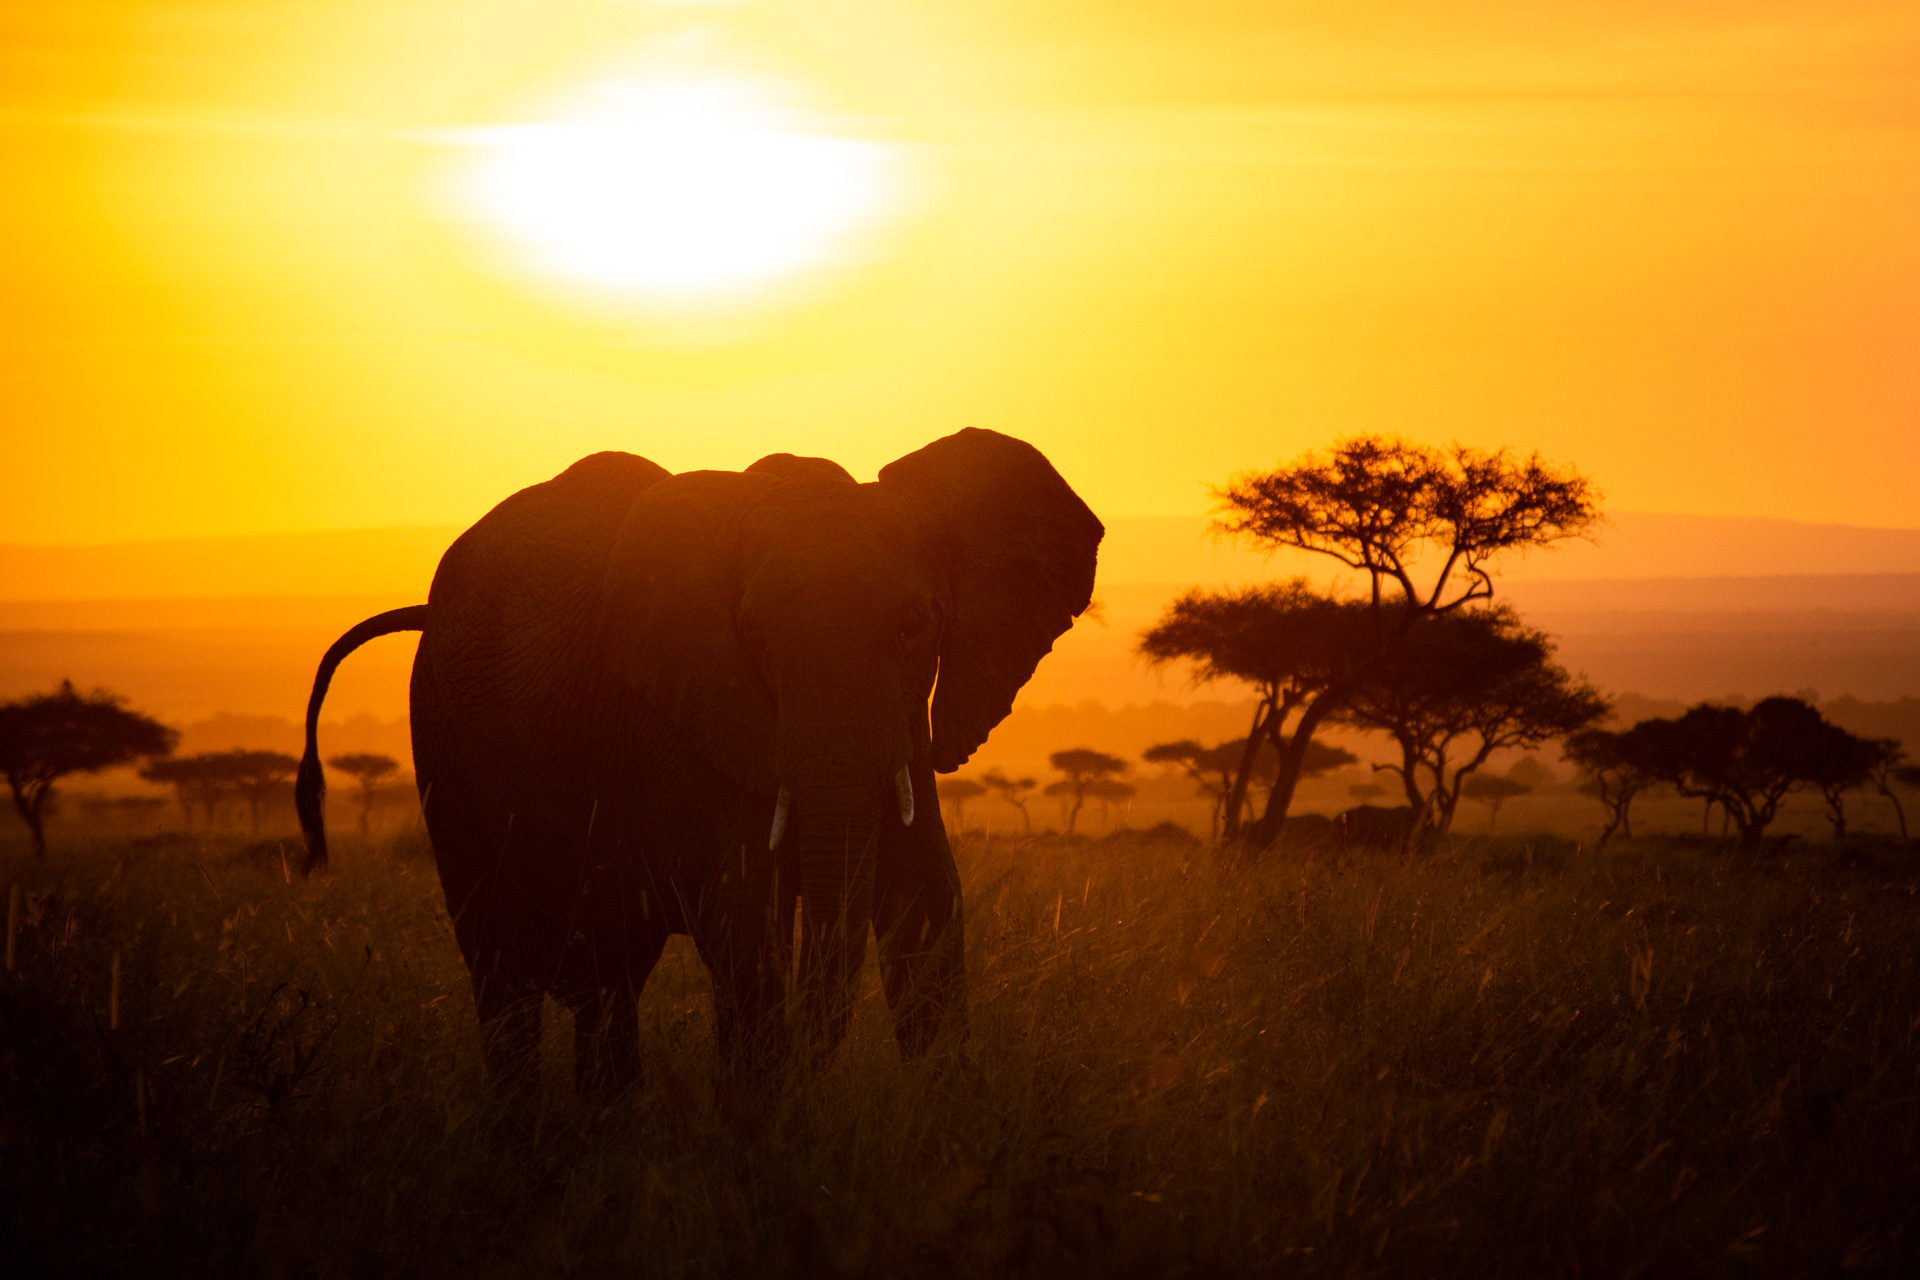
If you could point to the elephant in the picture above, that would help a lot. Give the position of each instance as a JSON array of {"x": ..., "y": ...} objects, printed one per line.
[{"x": 646, "y": 704}]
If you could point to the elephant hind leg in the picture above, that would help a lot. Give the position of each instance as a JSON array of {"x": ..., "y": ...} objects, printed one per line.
[
  {"x": 606, "y": 1014},
  {"x": 510, "y": 1038},
  {"x": 606, "y": 1043}
]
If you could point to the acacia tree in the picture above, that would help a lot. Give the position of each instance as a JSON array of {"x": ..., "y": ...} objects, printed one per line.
[
  {"x": 193, "y": 784},
  {"x": 1618, "y": 766},
  {"x": 1215, "y": 769},
  {"x": 1013, "y": 791},
  {"x": 1211, "y": 768},
  {"x": 1110, "y": 792},
  {"x": 1746, "y": 762},
  {"x": 1383, "y": 506},
  {"x": 369, "y": 769},
  {"x": 1892, "y": 770},
  {"x": 1294, "y": 645},
  {"x": 1840, "y": 762},
  {"x": 49, "y": 736},
  {"x": 259, "y": 777},
  {"x": 955, "y": 792},
  {"x": 1457, "y": 689},
  {"x": 1493, "y": 790},
  {"x": 1083, "y": 767}
]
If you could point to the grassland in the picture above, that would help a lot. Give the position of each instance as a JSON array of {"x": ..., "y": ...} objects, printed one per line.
[{"x": 1516, "y": 1057}]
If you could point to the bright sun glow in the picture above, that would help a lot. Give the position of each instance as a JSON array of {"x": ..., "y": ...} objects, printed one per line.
[{"x": 683, "y": 191}]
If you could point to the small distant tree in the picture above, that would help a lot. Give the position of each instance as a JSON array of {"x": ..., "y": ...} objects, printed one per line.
[
  {"x": 1839, "y": 762},
  {"x": 369, "y": 770},
  {"x": 1492, "y": 790},
  {"x": 1366, "y": 792},
  {"x": 258, "y": 777},
  {"x": 1212, "y": 769},
  {"x": 1082, "y": 766},
  {"x": 1216, "y": 769},
  {"x": 954, "y": 793},
  {"x": 1618, "y": 767},
  {"x": 1746, "y": 762},
  {"x": 1380, "y": 506},
  {"x": 1458, "y": 689},
  {"x": 1530, "y": 772},
  {"x": 1013, "y": 791},
  {"x": 204, "y": 781},
  {"x": 50, "y": 736},
  {"x": 1110, "y": 792}
]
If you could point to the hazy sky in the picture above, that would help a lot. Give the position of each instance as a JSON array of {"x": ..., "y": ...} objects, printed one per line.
[{"x": 1677, "y": 244}]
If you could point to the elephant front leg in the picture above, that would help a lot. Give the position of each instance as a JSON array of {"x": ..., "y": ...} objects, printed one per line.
[
  {"x": 920, "y": 925},
  {"x": 746, "y": 943}
]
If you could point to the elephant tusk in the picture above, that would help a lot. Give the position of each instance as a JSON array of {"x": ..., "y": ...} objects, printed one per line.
[
  {"x": 903, "y": 785},
  {"x": 779, "y": 818}
]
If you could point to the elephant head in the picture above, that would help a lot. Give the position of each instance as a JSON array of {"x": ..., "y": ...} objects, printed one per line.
[{"x": 794, "y": 624}]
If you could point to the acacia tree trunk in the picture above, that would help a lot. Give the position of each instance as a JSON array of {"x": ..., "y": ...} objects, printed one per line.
[
  {"x": 1243, "y": 777},
  {"x": 1261, "y": 836},
  {"x": 1613, "y": 824},
  {"x": 30, "y": 799},
  {"x": 1898, "y": 812},
  {"x": 1837, "y": 814}
]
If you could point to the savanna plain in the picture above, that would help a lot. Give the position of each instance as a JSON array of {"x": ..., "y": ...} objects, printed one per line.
[{"x": 1511, "y": 1056}]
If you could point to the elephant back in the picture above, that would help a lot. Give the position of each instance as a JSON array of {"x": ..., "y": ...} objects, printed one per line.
[{"x": 511, "y": 602}]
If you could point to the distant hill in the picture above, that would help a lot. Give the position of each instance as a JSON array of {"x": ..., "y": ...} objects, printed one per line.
[
  {"x": 191, "y": 628},
  {"x": 1635, "y": 545},
  {"x": 1159, "y": 549}
]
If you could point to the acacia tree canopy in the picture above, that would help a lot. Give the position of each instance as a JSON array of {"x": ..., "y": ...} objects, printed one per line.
[
  {"x": 1083, "y": 767},
  {"x": 1747, "y": 762},
  {"x": 1379, "y": 504},
  {"x": 1013, "y": 791},
  {"x": 368, "y": 769},
  {"x": 1492, "y": 790},
  {"x": 49, "y": 736},
  {"x": 1459, "y": 688},
  {"x": 957, "y": 792},
  {"x": 1292, "y": 643},
  {"x": 1618, "y": 766}
]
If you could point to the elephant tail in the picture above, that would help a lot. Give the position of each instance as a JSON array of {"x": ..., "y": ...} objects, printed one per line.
[{"x": 310, "y": 789}]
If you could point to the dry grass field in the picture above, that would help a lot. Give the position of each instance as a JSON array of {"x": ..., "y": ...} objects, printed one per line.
[{"x": 1515, "y": 1057}]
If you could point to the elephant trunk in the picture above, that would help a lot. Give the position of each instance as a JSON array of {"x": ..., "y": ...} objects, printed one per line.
[{"x": 837, "y": 828}]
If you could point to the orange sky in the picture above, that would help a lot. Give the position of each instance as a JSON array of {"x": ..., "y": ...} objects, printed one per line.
[{"x": 1676, "y": 244}]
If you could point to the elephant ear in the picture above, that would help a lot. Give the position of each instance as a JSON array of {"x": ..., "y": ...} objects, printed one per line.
[
  {"x": 1019, "y": 547},
  {"x": 668, "y": 620}
]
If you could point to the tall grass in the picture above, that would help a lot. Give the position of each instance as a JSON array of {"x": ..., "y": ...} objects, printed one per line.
[{"x": 1516, "y": 1057}]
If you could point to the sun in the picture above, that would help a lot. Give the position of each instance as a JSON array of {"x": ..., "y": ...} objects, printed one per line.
[{"x": 681, "y": 191}]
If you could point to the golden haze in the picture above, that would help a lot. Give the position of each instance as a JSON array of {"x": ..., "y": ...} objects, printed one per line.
[{"x": 1162, "y": 241}]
